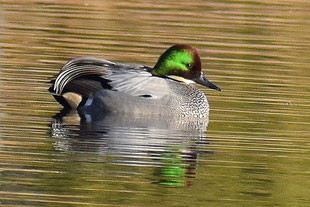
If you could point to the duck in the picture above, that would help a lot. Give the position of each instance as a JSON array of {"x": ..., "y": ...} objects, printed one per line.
[{"x": 96, "y": 85}]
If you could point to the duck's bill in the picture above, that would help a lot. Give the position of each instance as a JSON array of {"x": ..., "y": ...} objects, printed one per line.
[{"x": 202, "y": 80}]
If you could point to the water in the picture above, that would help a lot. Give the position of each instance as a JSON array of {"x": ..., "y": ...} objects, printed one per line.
[{"x": 253, "y": 150}]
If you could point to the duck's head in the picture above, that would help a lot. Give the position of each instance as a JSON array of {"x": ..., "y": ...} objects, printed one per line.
[{"x": 182, "y": 63}]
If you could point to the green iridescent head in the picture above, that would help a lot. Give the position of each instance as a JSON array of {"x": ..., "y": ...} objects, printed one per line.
[{"x": 182, "y": 63}]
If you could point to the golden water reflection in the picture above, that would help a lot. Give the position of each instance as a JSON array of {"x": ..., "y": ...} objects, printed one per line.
[{"x": 257, "y": 51}]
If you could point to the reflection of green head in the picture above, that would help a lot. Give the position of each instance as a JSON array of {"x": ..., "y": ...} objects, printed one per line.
[
  {"x": 173, "y": 171},
  {"x": 179, "y": 60}
]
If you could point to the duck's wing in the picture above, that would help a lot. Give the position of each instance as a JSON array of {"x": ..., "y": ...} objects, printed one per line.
[
  {"x": 138, "y": 83},
  {"x": 87, "y": 68},
  {"x": 82, "y": 77}
]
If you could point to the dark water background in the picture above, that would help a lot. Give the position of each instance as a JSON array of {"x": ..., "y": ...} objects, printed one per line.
[{"x": 253, "y": 152}]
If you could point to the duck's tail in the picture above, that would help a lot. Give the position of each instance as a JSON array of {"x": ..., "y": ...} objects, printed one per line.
[{"x": 79, "y": 79}]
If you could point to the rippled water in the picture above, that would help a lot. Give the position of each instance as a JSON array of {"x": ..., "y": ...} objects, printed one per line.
[{"x": 253, "y": 151}]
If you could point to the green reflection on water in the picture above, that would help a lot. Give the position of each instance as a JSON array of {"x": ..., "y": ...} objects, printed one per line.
[{"x": 173, "y": 170}]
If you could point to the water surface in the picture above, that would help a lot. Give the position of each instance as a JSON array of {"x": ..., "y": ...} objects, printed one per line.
[{"x": 253, "y": 150}]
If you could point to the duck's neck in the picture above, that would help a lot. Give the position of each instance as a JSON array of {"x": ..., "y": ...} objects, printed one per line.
[{"x": 160, "y": 69}]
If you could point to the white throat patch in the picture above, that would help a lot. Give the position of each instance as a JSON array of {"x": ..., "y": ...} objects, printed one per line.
[{"x": 181, "y": 79}]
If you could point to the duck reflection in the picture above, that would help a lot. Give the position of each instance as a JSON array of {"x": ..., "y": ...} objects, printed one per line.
[{"x": 171, "y": 146}]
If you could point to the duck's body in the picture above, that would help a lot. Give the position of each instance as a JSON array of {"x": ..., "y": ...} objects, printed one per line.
[{"x": 100, "y": 86}]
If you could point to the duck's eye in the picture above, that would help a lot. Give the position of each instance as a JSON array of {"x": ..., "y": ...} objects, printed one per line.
[{"x": 189, "y": 65}]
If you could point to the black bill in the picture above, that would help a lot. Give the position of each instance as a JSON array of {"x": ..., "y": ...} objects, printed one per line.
[{"x": 202, "y": 80}]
